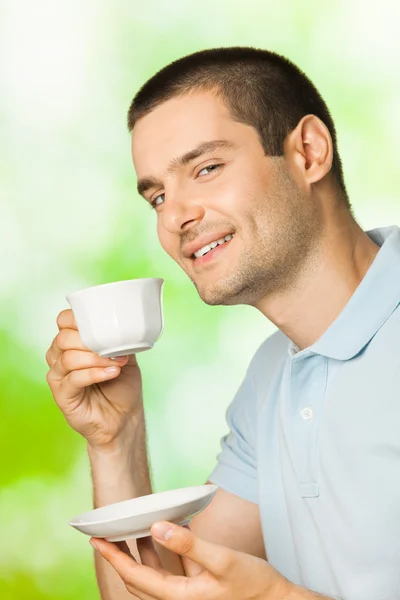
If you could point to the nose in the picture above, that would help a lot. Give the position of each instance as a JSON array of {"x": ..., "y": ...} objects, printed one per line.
[{"x": 179, "y": 214}]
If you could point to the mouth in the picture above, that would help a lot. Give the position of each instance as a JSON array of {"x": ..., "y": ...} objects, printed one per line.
[{"x": 211, "y": 252}]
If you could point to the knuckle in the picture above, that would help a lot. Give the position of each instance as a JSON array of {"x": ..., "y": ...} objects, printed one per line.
[
  {"x": 74, "y": 377},
  {"x": 61, "y": 317},
  {"x": 187, "y": 546},
  {"x": 62, "y": 339},
  {"x": 68, "y": 360},
  {"x": 51, "y": 381},
  {"x": 51, "y": 359},
  {"x": 61, "y": 361},
  {"x": 47, "y": 357},
  {"x": 129, "y": 586}
]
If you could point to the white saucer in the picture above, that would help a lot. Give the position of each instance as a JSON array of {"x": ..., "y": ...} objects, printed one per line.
[{"x": 133, "y": 518}]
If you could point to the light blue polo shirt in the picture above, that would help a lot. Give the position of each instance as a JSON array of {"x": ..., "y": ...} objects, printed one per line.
[{"x": 315, "y": 441}]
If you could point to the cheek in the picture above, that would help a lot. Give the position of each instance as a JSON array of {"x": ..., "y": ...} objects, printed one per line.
[
  {"x": 227, "y": 197},
  {"x": 245, "y": 184},
  {"x": 167, "y": 241}
]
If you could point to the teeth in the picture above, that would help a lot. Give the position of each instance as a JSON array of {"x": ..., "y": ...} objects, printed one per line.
[{"x": 209, "y": 247}]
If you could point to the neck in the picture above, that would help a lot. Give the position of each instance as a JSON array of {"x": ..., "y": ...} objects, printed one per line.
[{"x": 326, "y": 283}]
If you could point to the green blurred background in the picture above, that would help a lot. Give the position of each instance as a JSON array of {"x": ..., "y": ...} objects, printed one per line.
[{"x": 70, "y": 218}]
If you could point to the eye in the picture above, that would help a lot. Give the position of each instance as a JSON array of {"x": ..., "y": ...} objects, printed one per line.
[
  {"x": 211, "y": 167},
  {"x": 154, "y": 203},
  {"x": 208, "y": 169}
]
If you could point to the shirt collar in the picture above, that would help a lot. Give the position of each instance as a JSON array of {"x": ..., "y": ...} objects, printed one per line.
[{"x": 374, "y": 300}]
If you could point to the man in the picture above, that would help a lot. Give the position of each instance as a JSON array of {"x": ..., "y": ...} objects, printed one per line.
[{"x": 235, "y": 146}]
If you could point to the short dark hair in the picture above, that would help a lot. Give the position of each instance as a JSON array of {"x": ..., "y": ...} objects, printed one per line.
[{"x": 260, "y": 88}]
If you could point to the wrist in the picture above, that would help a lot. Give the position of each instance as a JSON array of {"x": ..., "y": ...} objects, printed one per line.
[
  {"x": 122, "y": 445},
  {"x": 117, "y": 449},
  {"x": 120, "y": 469}
]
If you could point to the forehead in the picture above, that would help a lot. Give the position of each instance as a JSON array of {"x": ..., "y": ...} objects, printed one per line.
[{"x": 176, "y": 126}]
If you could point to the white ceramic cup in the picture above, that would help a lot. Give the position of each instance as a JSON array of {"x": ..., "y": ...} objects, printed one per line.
[{"x": 124, "y": 317}]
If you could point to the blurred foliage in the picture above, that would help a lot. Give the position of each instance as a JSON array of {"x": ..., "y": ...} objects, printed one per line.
[{"x": 71, "y": 218}]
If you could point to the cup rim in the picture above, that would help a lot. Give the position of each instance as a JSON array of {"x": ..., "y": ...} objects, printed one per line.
[{"x": 111, "y": 284}]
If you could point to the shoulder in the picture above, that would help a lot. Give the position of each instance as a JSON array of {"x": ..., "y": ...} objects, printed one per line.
[
  {"x": 265, "y": 364},
  {"x": 383, "y": 351},
  {"x": 269, "y": 355}
]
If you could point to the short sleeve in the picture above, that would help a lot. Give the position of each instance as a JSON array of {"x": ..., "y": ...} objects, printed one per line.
[{"x": 236, "y": 469}]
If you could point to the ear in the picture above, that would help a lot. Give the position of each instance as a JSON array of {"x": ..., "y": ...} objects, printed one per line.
[{"x": 308, "y": 150}]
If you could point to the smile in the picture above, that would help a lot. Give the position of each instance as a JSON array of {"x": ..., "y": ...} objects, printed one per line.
[
  {"x": 212, "y": 251},
  {"x": 213, "y": 245}
]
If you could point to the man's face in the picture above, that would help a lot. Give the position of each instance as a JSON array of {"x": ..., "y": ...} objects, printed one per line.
[{"x": 226, "y": 187}]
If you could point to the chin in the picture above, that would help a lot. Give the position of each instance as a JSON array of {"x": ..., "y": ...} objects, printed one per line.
[
  {"x": 219, "y": 296},
  {"x": 212, "y": 297}
]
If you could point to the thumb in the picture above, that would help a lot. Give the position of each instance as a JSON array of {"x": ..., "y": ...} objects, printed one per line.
[{"x": 216, "y": 559}]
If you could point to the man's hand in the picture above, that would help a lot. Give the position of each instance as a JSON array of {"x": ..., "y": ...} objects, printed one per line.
[{"x": 213, "y": 572}]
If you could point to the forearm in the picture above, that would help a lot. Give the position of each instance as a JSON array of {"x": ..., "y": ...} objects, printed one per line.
[
  {"x": 122, "y": 472},
  {"x": 119, "y": 474}
]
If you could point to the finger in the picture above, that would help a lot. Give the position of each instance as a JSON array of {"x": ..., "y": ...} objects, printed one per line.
[
  {"x": 76, "y": 360},
  {"x": 218, "y": 560},
  {"x": 148, "y": 553},
  {"x": 140, "y": 577},
  {"x": 69, "y": 339},
  {"x": 53, "y": 353},
  {"x": 192, "y": 569},
  {"x": 123, "y": 546},
  {"x": 66, "y": 319},
  {"x": 66, "y": 339},
  {"x": 76, "y": 381}
]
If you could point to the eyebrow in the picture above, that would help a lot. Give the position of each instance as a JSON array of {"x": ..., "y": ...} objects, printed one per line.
[{"x": 145, "y": 183}]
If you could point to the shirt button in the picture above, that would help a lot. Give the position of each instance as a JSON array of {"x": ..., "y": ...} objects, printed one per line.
[{"x": 307, "y": 413}]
